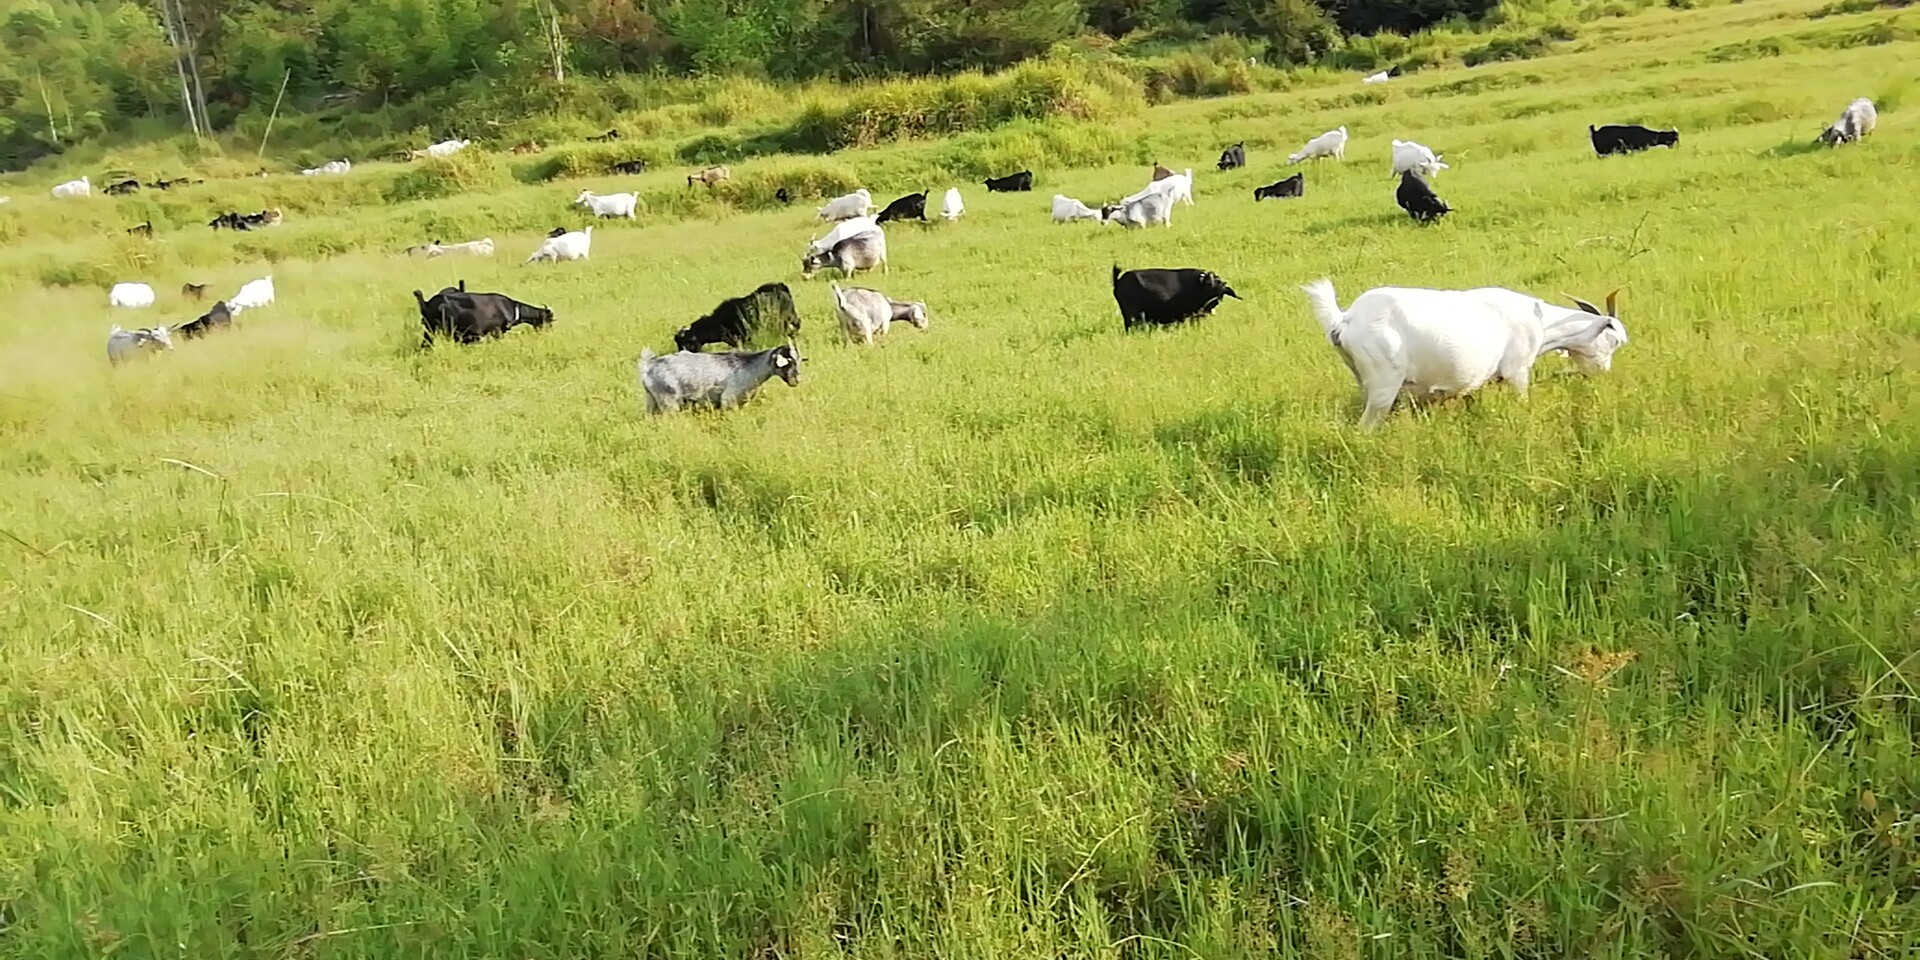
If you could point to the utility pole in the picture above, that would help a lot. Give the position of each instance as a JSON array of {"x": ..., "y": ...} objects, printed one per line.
[{"x": 192, "y": 98}]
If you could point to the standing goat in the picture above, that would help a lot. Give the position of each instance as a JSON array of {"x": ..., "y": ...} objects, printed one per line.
[
  {"x": 1855, "y": 122},
  {"x": 720, "y": 380},
  {"x": 865, "y": 312},
  {"x": 609, "y": 205},
  {"x": 124, "y": 345},
  {"x": 1433, "y": 344}
]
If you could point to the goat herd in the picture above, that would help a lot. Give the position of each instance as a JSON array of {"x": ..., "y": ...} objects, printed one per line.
[{"x": 1398, "y": 342}]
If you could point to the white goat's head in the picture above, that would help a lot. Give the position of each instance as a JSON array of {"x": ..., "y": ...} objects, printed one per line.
[{"x": 1596, "y": 355}]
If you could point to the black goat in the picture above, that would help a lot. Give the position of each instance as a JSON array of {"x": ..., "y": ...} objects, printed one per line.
[
  {"x": 1159, "y": 296},
  {"x": 766, "y": 314}
]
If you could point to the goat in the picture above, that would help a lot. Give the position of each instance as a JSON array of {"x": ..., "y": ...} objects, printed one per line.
[
  {"x": 1418, "y": 199},
  {"x": 134, "y": 295},
  {"x": 1011, "y": 183},
  {"x": 1855, "y": 122},
  {"x": 850, "y": 227},
  {"x": 1294, "y": 186},
  {"x": 74, "y": 188},
  {"x": 744, "y": 321},
  {"x": 482, "y": 247},
  {"x": 1160, "y": 173},
  {"x": 331, "y": 167},
  {"x": 1444, "y": 343},
  {"x": 573, "y": 245},
  {"x": 913, "y": 206},
  {"x": 1380, "y": 77},
  {"x": 253, "y": 293},
  {"x": 862, "y": 251},
  {"x": 121, "y": 188},
  {"x": 1162, "y": 297},
  {"x": 556, "y": 232},
  {"x": 865, "y": 312},
  {"x": 193, "y": 291},
  {"x": 709, "y": 176},
  {"x": 783, "y": 196},
  {"x": 720, "y": 380},
  {"x": 952, "y": 207},
  {"x": 856, "y": 204},
  {"x": 1156, "y": 206},
  {"x": 1066, "y": 209},
  {"x": 1408, "y": 155},
  {"x": 526, "y": 147},
  {"x": 608, "y": 137},
  {"x": 445, "y": 148},
  {"x": 429, "y": 249},
  {"x": 1628, "y": 138},
  {"x": 628, "y": 168},
  {"x": 124, "y": 345},
  {"x": 610, "y": 205},
  {"x": 1233, "y": 157},
  {"x": 1333, "y": 144},
  {"x": 219, "y": 318},
  {"x": 141, "y": 229},
  {"x": 469, "y": 317}
]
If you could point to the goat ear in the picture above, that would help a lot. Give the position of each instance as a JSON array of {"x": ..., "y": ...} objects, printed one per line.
[
  {"x": 1582, "y": 304},
  {"x": 1610, "y": 299},
  {"x": 780, "y": 360}
]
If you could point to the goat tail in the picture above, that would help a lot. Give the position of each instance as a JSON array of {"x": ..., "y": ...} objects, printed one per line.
[{"x": 1325, "y": 306}]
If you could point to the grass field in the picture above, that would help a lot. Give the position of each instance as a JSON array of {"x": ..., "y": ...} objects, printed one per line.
[{"x": 1019, "y": 637}]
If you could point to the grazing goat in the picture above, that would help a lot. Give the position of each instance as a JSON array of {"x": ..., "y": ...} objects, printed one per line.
[
  {"x": 1294, "y": 186},
  {"x": 720, "y": 380},
  {"x": 526, "y": 147},
  {"x": 482, "y": 247},
  {"x": 850, "y": 227},
  {"x": 445, "y": 148},
  {"x": 193, "y": 291},
  {"x": 864, "y": 312},
  {"x": 913, "y": 206},
  {"x": 134, "y": 295},
  {"x": 856, "y": 204},
  {"x": 783, "y": 196},
  {"x": 863, "y": 251},
  {"x": 1629, "y": 138},
  {"x": 1855, "y": 122},
  {"x": 330, "y": 168},
  {"x": 1433, "y": 344},
  {"x": 1333, "y": 144},
  {"x": 750, "y": 321},
  {"x": 628, "y": 168},
  {"x": 556, "y": 232},
  {"x": 469, "y": 317},
  {"x": 1159, "y": 173},
  {"x": 141, "y": 229},
  {"x": 1155, "y": 206},
  {"x": 1233, "y": 157},
  {"x": 1418, "y": 200},
  {"x": 124, "y": 345},
  {"x": 1176, "y": 187},
  {"x": 253, "y": 293},
  {"x": 952, "y": 207},
  {"x": 1066, "y": 210},
  {"x": 1380, "y": 77},
  {"x": 610, "y": 205},
  {"x": 247, "y": 221},
  {"x": 219, "y": 318},
  {"x": 1011, "y": 183},
  {"x": 572, "y": 245},
  {"x": 121, "y": 188},
  {"x": 1408, "y": 155},
  {"x": 709, "y": 176},
  {"x": 608, "y": 137},
  {"x": 1162, "y": 297},
  {"x": 74, "y": 188}
]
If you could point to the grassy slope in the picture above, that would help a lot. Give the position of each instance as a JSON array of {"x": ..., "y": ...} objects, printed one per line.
[{"x": 1016, "y": 638}]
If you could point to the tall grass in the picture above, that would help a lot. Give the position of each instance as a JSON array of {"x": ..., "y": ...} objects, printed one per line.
[{"x": 1019, "y": 636}]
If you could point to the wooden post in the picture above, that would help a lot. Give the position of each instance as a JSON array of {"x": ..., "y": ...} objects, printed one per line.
[{"x": 274, "y": 115}]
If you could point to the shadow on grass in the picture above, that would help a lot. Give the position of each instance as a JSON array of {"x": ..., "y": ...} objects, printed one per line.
[{"x": 1794, "y": 148}]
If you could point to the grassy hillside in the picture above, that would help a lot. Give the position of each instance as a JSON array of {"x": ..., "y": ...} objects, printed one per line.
[{"x": 1019, "y": 637}]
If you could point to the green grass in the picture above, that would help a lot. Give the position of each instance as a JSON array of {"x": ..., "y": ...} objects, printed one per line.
[{"x": 1019, "y": 637}]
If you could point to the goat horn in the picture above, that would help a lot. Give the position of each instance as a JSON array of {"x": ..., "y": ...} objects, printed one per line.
[
  {"x": 1582, "y": 304},
  {"x": 1610, "y": 296}
]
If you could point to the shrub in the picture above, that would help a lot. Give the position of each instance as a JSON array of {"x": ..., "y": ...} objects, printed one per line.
[
  {"x": 1505, "y": 48},
  {"x": 435, "y": 177},
  {"x": 909, "y": 109},
  {"x": 592, "y": 160}
]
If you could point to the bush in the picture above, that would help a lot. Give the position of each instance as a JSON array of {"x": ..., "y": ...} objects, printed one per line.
[
  {"x": 592, "y": 160},
  {"x": 435, "y": 177},
  {"x": 902, "y": 110},
  {"x": 1505, "y": 48}
]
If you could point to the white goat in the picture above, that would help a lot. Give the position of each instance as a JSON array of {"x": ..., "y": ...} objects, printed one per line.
[
  {"x": 447, "y": 148},
  {"x": 1333, "y": 144},
  {"x": 329, "y": 168},
  {"x": 253, "y": 293},
  {"x": 952, "y": 207},
  {"x": 477, "y": 248},
  {"x": 721, "y": 380},
  {"x": 1433, "y": 344},
  {"x": 856, "y": 204},
  {"x": 1380, "y": 77},
  {"x": 135, "y": 295},
  {"x": 1067, "y": 209},
  {"x": 610, "y": 205},
  {"x": 864, "y": 312},
  {"x": 850, "y": 227},
  {"x": 74, "y": 188},
  {"x": 574, "y": 245},
  {"x": 1855, "y": 122},
  {"x": 124, "y": 345},
  {"x": 1155, "y": 206},
  {"x": 1408, "y": 155}
]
